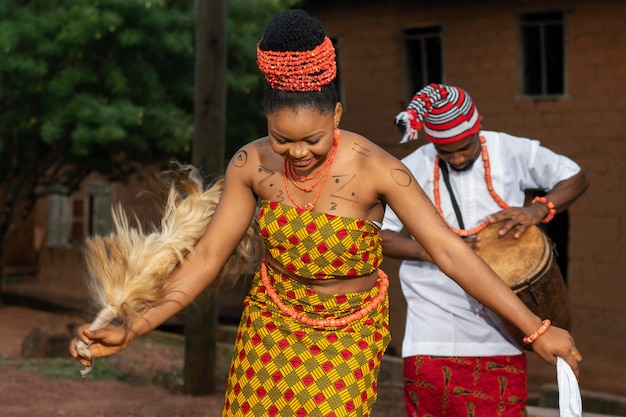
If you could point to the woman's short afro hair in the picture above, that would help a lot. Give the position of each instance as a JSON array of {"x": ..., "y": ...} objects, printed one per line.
[{"x": 292, "y": 30}]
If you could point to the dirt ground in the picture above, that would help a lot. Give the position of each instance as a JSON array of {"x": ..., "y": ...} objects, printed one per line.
[{"x": 143, "y": 381}]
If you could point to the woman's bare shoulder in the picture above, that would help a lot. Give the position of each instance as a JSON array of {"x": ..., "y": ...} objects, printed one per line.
[
  {"x": 252, "y": 154},
  {"x": 377, "y": 172},
  {"x": 258, "y": 167},
  {"x": 370, "y": 156}
]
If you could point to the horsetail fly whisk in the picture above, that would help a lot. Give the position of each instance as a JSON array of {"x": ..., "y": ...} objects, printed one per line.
[{"x": 128, "y": 269}]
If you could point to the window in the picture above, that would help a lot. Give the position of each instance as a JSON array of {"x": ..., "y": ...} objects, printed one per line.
[
  {"x": 423, "y": 57},
  {"x": 542, "y": 54},
  {"x": 100, "y": 200},
  {"x": 59, "y": 219},
  {"x": 72, "y": 218},
  {"x": 78, "y": 219}
]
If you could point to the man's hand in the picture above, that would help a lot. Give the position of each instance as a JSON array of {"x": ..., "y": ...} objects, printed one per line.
[
  {"x": 524, "y": 217},
  {"x": 472, "y": 241}
]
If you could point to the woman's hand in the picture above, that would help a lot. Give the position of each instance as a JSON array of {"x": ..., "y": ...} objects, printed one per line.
[
  {"x": 107, "y": 341},
  {"x": 558, "y": 342}
]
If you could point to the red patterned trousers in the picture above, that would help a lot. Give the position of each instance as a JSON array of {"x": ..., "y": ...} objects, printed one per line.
[{"x": 493, "y": 386}]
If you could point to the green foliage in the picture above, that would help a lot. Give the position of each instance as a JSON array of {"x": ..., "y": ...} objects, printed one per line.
[
  {"x": 90, "y": 81},
  {"x": 89, "y": 85},
  {"x": 93, "y": 81},
  {"x": 98, "y": 85},
  {"x": 247, "y": 19}
]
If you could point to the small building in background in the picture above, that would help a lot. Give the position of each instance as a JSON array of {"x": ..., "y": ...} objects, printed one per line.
[{"x": 548, "y": 70}]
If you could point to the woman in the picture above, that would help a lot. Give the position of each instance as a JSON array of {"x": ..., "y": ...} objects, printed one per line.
[{"x": 315, "y": 322}]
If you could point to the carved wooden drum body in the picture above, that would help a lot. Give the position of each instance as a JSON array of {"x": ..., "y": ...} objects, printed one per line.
[{"x": 528, "y": 266}]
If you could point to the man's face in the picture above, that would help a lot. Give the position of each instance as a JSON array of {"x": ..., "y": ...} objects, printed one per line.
[{"x": 462, "y": 154}]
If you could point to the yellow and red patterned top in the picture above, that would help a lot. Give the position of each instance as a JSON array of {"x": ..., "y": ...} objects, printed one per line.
[{"x": 317, "y": 245}]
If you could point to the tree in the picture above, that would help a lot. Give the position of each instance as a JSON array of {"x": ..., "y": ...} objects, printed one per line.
[
  {"x": 89, "y": 86},
  {"x": 208, "y": 154},
  {"x": 247, "y": 19},
  {"x": 245, "y": 86}
]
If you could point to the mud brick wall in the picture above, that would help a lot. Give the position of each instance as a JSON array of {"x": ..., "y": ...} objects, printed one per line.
[{"x": 480, "y": 43}]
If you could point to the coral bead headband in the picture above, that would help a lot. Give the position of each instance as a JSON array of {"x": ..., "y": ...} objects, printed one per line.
[
  {"x": 299, "y": 71},
  {"x": 446, "y": 113}
]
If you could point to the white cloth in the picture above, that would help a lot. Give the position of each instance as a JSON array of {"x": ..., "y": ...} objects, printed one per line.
[
  {"x": 570, "y": 402},
  {"x": 441, "y": 318}
]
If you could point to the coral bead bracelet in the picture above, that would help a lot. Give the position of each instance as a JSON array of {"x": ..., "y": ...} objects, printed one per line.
[
  {"x": 545, "y": 325},
  {"x": 549, "y": 204}
]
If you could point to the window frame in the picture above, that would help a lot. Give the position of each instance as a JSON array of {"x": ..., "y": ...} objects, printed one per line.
[
  {"x": 68, "y": 226},
  {"x": 421, "y": 34},
  {"x": 542, "y": 20}
]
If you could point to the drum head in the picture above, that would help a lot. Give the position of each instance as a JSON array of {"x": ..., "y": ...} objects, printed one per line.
[{"x": 515, "y": 260}]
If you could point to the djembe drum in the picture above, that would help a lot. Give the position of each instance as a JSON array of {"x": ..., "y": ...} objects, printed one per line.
[{"x": 528, "y": 266}]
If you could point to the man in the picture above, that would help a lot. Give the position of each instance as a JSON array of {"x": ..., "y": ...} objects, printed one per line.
[{"x": 459, "y": 359}]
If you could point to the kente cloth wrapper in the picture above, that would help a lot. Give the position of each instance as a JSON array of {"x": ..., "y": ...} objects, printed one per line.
[
  {"x": 570, "y": 402},
  {"x": 465, "y": 386},
  {"x": 318, "y": 245},
  {"x": 282, "y": 367}
]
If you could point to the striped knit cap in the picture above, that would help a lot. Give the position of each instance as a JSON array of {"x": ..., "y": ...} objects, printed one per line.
[{"x": 446, "y": 113}]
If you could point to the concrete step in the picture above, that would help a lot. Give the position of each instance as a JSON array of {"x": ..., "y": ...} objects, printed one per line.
[
  {"x": 553, "y": 412},
  {"x": 593, "y": 402}
]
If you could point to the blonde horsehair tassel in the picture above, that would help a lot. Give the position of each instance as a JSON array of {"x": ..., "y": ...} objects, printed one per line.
[{"x": 128, "y": 269}]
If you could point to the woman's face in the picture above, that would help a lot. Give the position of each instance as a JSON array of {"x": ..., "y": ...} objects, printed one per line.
[{"x": 303, "y": 136}]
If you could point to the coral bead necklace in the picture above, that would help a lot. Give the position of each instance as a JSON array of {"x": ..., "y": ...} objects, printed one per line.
[
  {"x": 320, "y": 176},
  {"x": 496, "y": 197}
]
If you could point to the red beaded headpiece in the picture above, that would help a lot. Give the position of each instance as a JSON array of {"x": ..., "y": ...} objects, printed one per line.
[{"x": 299, "y": 71}]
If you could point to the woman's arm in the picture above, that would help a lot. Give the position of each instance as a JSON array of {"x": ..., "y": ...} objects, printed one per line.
[{"x": 396, "y": 245}]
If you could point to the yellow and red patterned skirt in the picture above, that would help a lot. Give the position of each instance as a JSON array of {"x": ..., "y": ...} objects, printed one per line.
[{"x": 282, "y": 367}]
